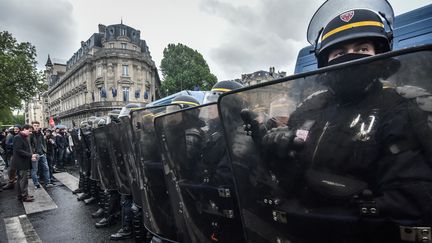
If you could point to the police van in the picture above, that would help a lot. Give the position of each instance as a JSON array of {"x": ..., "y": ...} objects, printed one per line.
[{"x": 199, "y": 95}]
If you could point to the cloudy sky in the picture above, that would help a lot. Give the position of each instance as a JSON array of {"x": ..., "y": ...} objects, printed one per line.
[{"x": 234, "y": 36}]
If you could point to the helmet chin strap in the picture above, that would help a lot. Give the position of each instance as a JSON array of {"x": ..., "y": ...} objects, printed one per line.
[{"x": 315, "y": 50}]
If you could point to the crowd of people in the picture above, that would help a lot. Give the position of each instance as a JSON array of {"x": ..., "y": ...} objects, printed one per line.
[{"x": 40, "y": 151}]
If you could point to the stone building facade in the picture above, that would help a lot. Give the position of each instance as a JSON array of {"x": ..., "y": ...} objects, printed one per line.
[
  {"x": 33, "y": 111},
  {"x": 261, "y": 76},
  {"x": 267, "y": 95},
  {"x": 111, "y": 69}
]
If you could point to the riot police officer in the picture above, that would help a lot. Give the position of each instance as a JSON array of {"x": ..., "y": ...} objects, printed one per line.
[{"x": 357, "y": 152}]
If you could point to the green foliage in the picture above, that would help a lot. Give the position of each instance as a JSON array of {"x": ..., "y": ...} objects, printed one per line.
[
  {"x": 184, "y": 68},
  {"x": 19, "y": 78},
  {"x": 7, "y": 118}
]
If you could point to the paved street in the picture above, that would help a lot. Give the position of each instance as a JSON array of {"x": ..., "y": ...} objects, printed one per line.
[{"x": 55, "y": 216}]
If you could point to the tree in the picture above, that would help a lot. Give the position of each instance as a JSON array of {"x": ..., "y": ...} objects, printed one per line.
[
  {"x": 19, "y": 78},
  {"x": 184, "y": 68}
]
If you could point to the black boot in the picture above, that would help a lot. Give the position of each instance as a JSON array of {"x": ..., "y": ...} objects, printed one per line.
[
  {"x": 86, "y": 189},
  {"x": 137, "y": 222},
  {"x": 123, "y": 233},
  {"x": 93, "y": 193},
  {"x": 126, "y": 213},
  {"x": 111, "y": 208},
  {"x": 105, "y": 222},
  {"x": 98, "y": 214},
  {"x": 80, "y": 185},
  {"x": 101, "y": 202}
]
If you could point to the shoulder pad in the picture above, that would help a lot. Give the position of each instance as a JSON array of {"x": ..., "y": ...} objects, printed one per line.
[
  {"x": 410, "y": 92},
  {"x": 315, "y": 101},
  {"x": 422, "y": 97}
]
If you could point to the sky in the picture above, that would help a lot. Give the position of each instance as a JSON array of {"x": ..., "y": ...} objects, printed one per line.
[{"x": 234, "y": 36}]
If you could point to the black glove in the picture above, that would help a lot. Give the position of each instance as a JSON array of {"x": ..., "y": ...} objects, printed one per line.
[
  {"x": 251, "y": 125},
  {"x": 194, "y": 140},
  {"x": 282, "y": 142}
]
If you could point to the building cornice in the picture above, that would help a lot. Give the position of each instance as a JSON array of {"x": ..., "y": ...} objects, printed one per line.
[{"x": 103, "y": 53}]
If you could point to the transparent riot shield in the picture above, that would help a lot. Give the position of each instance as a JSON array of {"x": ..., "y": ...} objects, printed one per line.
[
  {"x": 157, "y": 210},
  {"x": 200, "y": 176},
  {"x": 94, "y": 159},
  {"x": 78, "y": 147},
  {"x": 105, "y": 168},
  {"x": 121, "y": 174},
  {"x": 123, "y": 131},
  {"x": 350, "y": 161},
  {"x": 86, "y": 136}
]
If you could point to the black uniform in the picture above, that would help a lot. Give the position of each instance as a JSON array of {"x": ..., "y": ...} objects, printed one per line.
[{"x": 363, "y": 161}]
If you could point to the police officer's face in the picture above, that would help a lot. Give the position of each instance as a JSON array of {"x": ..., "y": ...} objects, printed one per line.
[{"x": 359, "y": 47}]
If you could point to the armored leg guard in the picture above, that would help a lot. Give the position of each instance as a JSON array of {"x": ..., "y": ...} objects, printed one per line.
[
  {"x": 112, "y": 205},
  {"x": 86, "y": 189},
  {"x": 80, "y": 184},
  {"x": 138, "y": 226},
  {"x": 93, "y": 193},
  {"x": 126, "y": 213}
]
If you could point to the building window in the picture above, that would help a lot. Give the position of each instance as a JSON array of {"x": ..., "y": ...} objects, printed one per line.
[
  {"x": 125, "y": 70},
  {"x": 123, "y": 45},
  {"x": 111, "y": 45},
  {"x": 99, "y": 71},
  {"x": 122, "y": 32},
  {"x": 125, "y": 94}
]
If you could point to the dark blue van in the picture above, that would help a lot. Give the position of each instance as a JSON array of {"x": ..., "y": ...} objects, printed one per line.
[{"x": 410, "y": 29}]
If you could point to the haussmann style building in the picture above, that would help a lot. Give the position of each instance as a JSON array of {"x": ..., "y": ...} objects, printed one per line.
[{"x": 111, "y": 69}]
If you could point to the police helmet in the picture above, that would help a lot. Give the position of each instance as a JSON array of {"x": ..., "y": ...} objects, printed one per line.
[
  {"x": 364, "y": 20},
  {"x": 96, "y": 122},
  {"x": 182, "y": 102},
  {"x": 85, "y": 125},
  {"x": 185, "y": 101},
  {"x": 102, "y": 122},
  {"x": 220, "y": 88},
  {"x": 125, "y": 111}
]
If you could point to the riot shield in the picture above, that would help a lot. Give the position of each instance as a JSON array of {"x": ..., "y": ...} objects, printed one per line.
[
  {"x": 123, "y": 131},
  {"x": 118, "y": 162},
  {"x": 197, "y": 169},
  {"x": 350, "y": 162},
  {"x": 106, "y": 170},
  {"x": 94, "y": 159},
  {"x": 86, "y": 135},
  {"x": 157, "y": 210},
  {"x": 78, "y": 147}
]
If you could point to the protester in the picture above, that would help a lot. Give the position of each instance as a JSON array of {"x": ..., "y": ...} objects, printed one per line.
[
  {"x": 9, "y": 153},
  {"x": 21, "y": 161},
  {"x": 39, "y": 147},
  {"x": 61, "y": 145},
  {"x": 50, "y": 153}
]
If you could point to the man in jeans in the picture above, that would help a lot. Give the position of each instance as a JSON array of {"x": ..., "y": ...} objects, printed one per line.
[{"x": 39, "y": 147}]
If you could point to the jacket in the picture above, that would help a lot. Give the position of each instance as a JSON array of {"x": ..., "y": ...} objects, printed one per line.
[
  {"x": 22, "y": 153},
  {"x": 38, "y": 143},
  {"x": 383, "y": 141}
]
